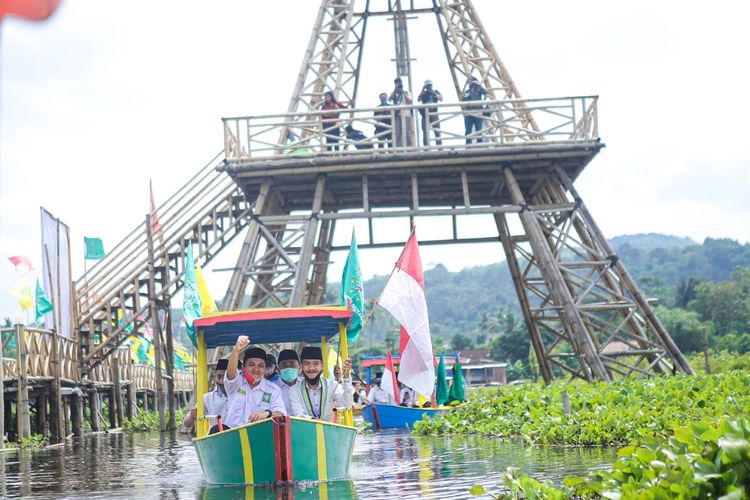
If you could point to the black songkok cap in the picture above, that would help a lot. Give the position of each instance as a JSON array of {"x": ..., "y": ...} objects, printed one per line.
[
  {"x": 222, "y": 364},
  {"x": 270, "y": 359},
  {"x": 311, "y": 352},
  {"x": 378, "y": 374},
  {"x": 288, "y": 354},
  {"x": 255, "y": 352}
]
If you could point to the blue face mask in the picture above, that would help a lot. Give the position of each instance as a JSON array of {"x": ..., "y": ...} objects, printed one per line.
[{"x": 289, "y": 374}]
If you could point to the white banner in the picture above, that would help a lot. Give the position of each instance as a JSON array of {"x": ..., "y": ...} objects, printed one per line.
[{"x": 56, "y": 239}]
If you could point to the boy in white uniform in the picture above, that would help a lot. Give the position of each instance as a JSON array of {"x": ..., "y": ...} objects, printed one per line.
[
  {"x": 288, "y": 375},
  {"x": 251, "y": 397},
  {"x": 316, "y": 396}
]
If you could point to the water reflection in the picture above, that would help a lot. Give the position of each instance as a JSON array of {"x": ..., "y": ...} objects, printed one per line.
[{"x": 386, "y": 465}]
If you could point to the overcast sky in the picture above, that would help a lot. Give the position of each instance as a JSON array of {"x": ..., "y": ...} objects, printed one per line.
[{"x": 107, "y": 94}]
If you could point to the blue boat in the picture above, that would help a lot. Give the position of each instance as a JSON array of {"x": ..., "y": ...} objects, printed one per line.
[{"x": 383, "y": 416}]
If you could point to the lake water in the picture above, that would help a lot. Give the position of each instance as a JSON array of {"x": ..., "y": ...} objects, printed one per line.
[{"x": 386, "y": 465}]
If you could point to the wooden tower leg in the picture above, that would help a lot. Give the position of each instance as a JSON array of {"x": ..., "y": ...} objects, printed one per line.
[
  {"x": 299, "y": 292},
  {"x": 592, "y": 366},
  {"x": 515, "y": 272},
  {"x": 94, "y": 410}
]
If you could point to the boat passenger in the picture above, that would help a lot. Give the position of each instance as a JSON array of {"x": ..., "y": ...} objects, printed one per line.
[
  {"x": 377, "y": 394},
  {"x": 272, "y": 372},
  {"x": 407, "y": 395},
  {"x": 316, "y": 396},
  {"x": 214, "y": 402},
  {"x": 251, "y": 397},
  {"x": 289, "y": 375}
]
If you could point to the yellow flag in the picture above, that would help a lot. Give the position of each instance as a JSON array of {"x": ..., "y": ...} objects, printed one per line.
[
  {"x": 207, "y": 302},
  {"x": 22, "y": 293}
]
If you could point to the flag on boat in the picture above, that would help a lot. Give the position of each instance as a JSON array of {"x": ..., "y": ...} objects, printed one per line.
[
  {"x": 35, "y": 10},
  {"x": 43, "y": 305},
  {"x": 352, "y": 291},
  {"x": 389, "y": 383},
  {"x": 191, "y": 300},
  {"x": 208, "y": 305},
  {"x": 403, "y": 297},
  {"x": 94, "y": 248},
  {"x": 441, "y": 387},
  {"x": 457, "y": 384},
  {"x": 22, "y": 263}
]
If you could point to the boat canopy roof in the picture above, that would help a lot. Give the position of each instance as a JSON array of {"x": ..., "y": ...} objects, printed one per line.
[{"x": 267, "y": 326}]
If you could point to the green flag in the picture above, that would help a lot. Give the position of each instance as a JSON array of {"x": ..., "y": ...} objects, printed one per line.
[
  {"x": 94, "y": 248},
  {"x": 456, "y": 392},
  {"x": 43, "y": 305},
  {"x": 441, "y": 387},
  {"x": 191, "y": 300},
  {"x": 353, "y": 291}
]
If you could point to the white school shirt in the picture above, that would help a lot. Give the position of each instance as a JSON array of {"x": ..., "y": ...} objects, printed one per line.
[
  {"x": 285, "y": 389},
  {"x": 378, "y": 395},
  {"x": 330, "y": 394},
  {"x": 245, "y": 399},
  {"x": 215, "y": 403}
]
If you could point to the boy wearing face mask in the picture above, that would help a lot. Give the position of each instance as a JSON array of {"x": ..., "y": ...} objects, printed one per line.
[{"x": 289, "y": 373}]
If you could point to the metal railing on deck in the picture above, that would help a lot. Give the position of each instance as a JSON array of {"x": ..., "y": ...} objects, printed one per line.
[{"x": 410, "y": 128}]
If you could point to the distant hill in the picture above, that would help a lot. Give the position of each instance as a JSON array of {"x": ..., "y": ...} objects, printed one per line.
[{"x": 645, "y": 241}]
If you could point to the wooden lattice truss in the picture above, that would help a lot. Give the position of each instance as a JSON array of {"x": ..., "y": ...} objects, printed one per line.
[{"x": 585, "y": 315}]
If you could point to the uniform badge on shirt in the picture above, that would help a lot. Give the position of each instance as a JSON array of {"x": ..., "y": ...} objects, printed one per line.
[
  {"x": 266, "y": 397},
  {"x": 241, "y": 391}
]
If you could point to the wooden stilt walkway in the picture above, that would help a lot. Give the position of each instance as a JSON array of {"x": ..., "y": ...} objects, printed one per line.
[{"x": 111, "y": 392}]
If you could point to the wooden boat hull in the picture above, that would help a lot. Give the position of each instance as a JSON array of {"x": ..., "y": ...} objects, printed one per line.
[
  {"x": 383, "y": 416},
  {"x": 279, "y": 449}
]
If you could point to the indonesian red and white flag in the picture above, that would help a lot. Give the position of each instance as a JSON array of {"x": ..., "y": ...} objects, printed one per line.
[
  {"x": 389, "y": 383},
  {"x": 403, "y": 297},
  {"x": 36, "y": 10},
  {"x": 22, "y": 263}
]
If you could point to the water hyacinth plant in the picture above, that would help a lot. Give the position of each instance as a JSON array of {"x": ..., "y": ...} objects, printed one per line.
[{"x": 600, "y": 414}]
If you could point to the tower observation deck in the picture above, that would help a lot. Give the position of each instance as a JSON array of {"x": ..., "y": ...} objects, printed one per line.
[{"x": 293, "y": 175}]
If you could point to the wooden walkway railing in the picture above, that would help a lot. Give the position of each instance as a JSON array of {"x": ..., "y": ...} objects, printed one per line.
[
  {"x": 400, "y": 129},
  {"x": 36, "y": 354}
]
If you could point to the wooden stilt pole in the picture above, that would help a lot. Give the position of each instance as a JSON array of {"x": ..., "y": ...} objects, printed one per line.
[
  {"x": 116, "y": 379},
  {"x": 66, "y": 417},
  {"x": 156, "y": 326},
  {"x": 41, "y": 412},
  {"x": 22, "y": 401},
  {"x": 171, "y": 424},
  {"x": 76, "y": 417},
  {"x": 132, "y": 404},
  {"x": 112, "y": 407},
  {"x": 94, "y": 410}
]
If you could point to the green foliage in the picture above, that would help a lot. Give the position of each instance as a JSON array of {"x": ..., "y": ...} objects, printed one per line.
[
  {"x": 726, "y": 304},
  {"x": 705, "y": 459},
  {"x": 146, "y": 421},
  {"x": 459, "y": 342},
  {"x": 685, "y": 327},
  {"x": 721, "y": 362},
  {"x": 601, "y": 414},
  {"x": 34, "y": 441}
]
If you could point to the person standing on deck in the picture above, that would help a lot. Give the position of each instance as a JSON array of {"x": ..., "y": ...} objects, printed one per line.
[
  {"x": 214, "y": 402},
  {"x": 251, "y": 397},
  {"x": 402, "y": 127},
  {"x": 473, "y": 119},
  {"x": 316, "y": 396},
  {"x": 430, "y": 118},
  {"x": 331, "y": 126},
  {"x": 289, "y": 371},
  {"x": 383, "y": 133}
]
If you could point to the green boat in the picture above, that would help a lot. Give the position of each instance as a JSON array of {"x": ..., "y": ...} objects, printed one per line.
[{"x": 280, "y": 448}]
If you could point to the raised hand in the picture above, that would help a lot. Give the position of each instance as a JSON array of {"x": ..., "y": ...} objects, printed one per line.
[{"x": 242, "y": 342}]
